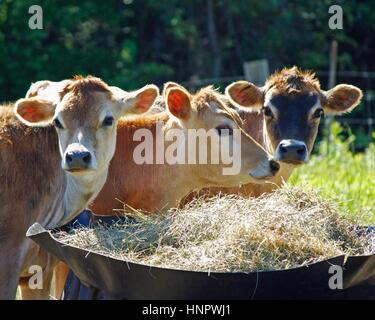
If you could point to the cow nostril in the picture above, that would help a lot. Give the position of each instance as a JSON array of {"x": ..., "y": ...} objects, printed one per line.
[
  {"x": 301, "y": 151},
  {"x": 87, "y": 158},
  {"x": 274, "y": 166},
  {"x": 78, "y": 159},
  {"x": 68, "y": 158},
  {"x": 283, "y": 149}
]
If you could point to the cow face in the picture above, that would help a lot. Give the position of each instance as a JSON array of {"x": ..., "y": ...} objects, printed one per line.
[
  {"x": 206, "y": 112},
  {"x": 85, "y": 113},
  {"x": 292, "y": 124},
  {"x": 292, "y": 105}
]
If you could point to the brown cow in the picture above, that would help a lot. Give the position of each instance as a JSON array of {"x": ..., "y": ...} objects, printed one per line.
[
  {"x": 156, "y": 187},
  {"x": 160, "y": 186},
  {"x": 54, "y": 158},
  {"x": 284, "y": 116},
  {"x": 291, "y": 105}
]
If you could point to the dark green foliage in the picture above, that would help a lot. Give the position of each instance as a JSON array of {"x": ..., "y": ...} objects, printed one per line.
[{"x": 130, "y": 43}]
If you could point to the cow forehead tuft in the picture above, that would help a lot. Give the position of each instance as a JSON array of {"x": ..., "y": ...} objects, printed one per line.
[
  {"x": 306, "y": 100},
  {"x": 293, "y": 81}
]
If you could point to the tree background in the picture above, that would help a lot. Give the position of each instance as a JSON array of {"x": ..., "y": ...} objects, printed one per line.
[{"x": 133, "y": 42}]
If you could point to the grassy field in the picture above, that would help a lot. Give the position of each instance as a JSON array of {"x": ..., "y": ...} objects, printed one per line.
[{"x": 341, "y": 175}]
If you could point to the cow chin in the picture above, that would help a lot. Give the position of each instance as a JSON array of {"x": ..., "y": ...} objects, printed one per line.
[
  {"x": 295, "y": 163},
  {"x": 79, "y": 171},
  {"x": 262, "y": 173}
]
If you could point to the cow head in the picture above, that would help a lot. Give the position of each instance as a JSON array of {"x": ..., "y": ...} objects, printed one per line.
[
  {"x": 207, "y": 112},
  {"x": 84, "y": 112},
  {"x": 292, "y": 104}
]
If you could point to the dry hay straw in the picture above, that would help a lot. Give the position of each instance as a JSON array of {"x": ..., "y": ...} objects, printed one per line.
[{"x": 288, "y": 228}]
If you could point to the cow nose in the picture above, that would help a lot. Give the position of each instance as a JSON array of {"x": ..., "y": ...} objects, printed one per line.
[
  {"x": 291, "y": 151},
  {"x": 78, "y": 159},
  {"x": 274, "y": 167}
]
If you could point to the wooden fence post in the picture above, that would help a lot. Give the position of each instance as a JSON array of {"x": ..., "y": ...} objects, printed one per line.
[
  {"x": 331, "y": 84},
  {"x": 256, "y": 71}
]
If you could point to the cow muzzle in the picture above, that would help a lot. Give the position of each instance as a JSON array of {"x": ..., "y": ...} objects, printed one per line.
[
  {"x": 77, "y": 160},
  {"x": 292, "y": 151},
  {"x": 265, "y": 170}
]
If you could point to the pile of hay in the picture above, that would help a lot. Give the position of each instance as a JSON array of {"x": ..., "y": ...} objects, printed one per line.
[{"x": 288, "y": 228}]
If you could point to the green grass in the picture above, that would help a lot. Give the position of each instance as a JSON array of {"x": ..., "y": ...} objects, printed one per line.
[{"x": 339, "y": 174}]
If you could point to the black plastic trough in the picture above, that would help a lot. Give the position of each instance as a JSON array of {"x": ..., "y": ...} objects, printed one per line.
[{"x": 109, "y": 278}]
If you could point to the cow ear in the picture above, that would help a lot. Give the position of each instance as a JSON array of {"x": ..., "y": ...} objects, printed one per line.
[
  {"x": 47, "y": 90},
  {"x": 342, "y": 98},
  {"x": 170, "y": 84},
  {"x": 36, "y": 87},
  {"x": 178, "y": 102},
  {"x": 118, "y": 92},
  {"x": 139, "y": 101},
  {"x": 35, "y": 112},
  {"x": 245, "y": 94}
]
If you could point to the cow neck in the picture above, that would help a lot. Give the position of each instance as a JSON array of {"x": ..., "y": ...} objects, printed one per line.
[
  {"x": 70, "y": 195},
  {"x": 79, "y": 192},
  {"x": 180, "y": 179}
]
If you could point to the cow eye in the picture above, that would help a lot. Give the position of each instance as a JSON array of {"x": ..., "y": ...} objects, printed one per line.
[
  {"x": 224, "y": 130},
  {"x": 318, "y": 113},
  {"x": 57, "y": 124},
  {"x": 267, "y": 111},
  {"x": 108, "y": 121}
]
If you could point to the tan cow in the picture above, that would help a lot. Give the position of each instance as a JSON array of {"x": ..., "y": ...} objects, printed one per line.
[
  {"x": 157, "y": 187},
  {"x": 160, "y": 186},
  {"x": 54, "y": 158},
  {"x": 284, "y": 116}
]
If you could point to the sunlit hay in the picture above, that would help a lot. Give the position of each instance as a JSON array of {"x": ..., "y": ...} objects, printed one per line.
[{"x": 288, "y": 228}]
